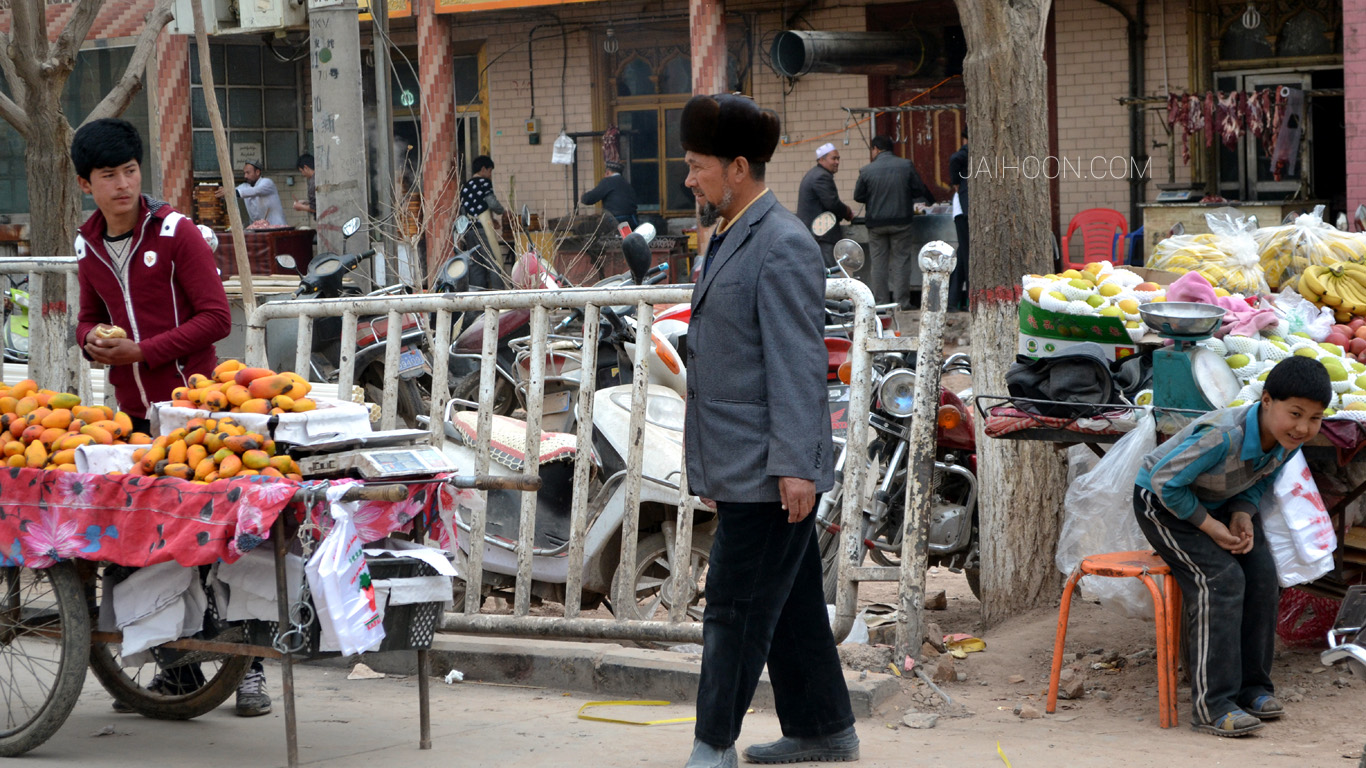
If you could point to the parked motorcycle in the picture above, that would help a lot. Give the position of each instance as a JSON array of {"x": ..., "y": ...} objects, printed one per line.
[
  {"x": 514, "y": 328},
  {"x": 1347, "y": 639},
  {"x": 953, "y": 534},
  {"x": 661, "y": 462},
  {"x": 325, "y": 279}
]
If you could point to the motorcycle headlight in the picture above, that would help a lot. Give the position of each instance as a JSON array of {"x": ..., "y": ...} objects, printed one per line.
[
  {"x": 660, "y": 410},
  {"x": 897, "y": 392}
]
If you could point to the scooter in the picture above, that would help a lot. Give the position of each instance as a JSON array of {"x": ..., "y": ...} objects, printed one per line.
[
  {"x": 661, "y": 461},
  {"x": 325, "y": 280},
  {"x": 15, "y": 327}
]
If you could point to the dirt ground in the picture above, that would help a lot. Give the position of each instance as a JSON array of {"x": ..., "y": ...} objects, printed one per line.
[{"x": 1115, "y": 722}]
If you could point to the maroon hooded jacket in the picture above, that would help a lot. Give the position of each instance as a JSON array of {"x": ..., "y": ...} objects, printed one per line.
[{"x": 169, "y": 298}]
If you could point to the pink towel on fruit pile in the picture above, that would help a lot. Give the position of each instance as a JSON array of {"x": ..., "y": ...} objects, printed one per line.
[{"x": 1240, "y": 319}]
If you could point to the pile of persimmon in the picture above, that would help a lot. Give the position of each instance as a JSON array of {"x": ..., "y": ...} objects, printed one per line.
[
  {"x": 41, "y": 429},
  {"x": 235, "y": 388},
  {"x": 206, "y": 449}
]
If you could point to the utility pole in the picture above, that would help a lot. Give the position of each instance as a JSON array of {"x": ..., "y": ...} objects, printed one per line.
[
  {"x": 338, "y": 122},
  {"x": 391, "y": 208}
]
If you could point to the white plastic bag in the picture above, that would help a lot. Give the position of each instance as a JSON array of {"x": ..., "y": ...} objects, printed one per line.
[
  {"x": 339, "y": 579},
  {"x": 1303, "y": 316},
  {"x": 1099, "y": 518},
  {"x": 1296, "y": 524},
  {"x": 562, "y": 151}
]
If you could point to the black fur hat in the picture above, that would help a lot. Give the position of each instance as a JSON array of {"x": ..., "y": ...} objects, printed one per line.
[{"x": 726, "y": 125}]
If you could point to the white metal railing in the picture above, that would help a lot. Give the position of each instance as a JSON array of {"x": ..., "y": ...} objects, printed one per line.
[{"x": 547, "y": 306}]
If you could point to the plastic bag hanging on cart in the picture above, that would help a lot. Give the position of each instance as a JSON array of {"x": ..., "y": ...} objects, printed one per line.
[
  {"x": 339, "y": 578},
  {"x": 1098, "y": 517}
]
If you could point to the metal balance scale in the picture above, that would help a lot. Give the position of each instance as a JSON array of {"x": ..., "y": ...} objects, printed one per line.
[
  {"x": 1185, "y": 375},
  {"x": 390, "y": 455}
]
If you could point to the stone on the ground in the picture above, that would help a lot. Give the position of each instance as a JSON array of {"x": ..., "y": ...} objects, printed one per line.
[
  {"x": 1071, "y": 684},
  {"x": 935, "y": 636},
  {"x": 937, "y": 601},
  {"x": 928, "y": 651},
  {"x": 1027, "y": 711},
  {"x": 944, "y": 671},
  {"x": 1013, "y": 679},
  {"x": 1103, "y": 695},
  {"x": 920, "y": 720}
]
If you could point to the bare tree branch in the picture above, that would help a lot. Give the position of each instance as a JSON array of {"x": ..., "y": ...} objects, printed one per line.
[
  {"x": 14, "y": 115},
  {"x": 17, "y": 86},
  {"x": 28, "y": 25},
  {"x": 68, "y": 44},
  {"x": 123, "y": 91}
]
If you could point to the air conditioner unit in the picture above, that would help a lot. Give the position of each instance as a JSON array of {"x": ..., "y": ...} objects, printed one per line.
[
  {"x": 269, "y": 15},
  {"x": 217, "y": 14},
  {"x": 227, "y": 17}
]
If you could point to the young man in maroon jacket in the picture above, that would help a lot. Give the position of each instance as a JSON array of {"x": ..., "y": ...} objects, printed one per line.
[{"x": 152, "y": 306}]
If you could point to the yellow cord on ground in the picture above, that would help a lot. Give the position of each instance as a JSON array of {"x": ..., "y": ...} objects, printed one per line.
[
  {"x": 669, "y": 721},
  {"x": 1002, "y": 753}
]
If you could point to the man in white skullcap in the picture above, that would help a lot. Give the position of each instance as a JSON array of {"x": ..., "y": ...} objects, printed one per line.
[{"x": 817, "y": 195}]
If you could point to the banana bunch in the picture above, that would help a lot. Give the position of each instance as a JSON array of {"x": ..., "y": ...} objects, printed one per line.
[
  {"x": 1288, "y": 250},
  {"x": 1341, "y": 287}
]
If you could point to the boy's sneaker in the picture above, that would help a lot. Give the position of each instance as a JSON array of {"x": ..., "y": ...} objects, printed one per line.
[
  {"x": 1235, "y": 724},
  {"x": 1265, "y": 708},
  {"x": 252, "y": 699}
]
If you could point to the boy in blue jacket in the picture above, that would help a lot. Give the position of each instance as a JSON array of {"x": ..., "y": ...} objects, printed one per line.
[{"x": 1196, "y": 500}]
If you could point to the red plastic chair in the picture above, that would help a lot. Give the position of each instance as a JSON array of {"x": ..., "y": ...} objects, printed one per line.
[{"x": 1099, "y": 228}]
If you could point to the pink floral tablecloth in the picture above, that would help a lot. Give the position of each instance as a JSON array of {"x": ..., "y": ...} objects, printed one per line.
[{"x": 47, "y": 517}]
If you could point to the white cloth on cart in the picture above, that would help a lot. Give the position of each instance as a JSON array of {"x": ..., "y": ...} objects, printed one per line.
[
  {"x": 246, "y": 589},
  {"x": 156, "y": 605}
]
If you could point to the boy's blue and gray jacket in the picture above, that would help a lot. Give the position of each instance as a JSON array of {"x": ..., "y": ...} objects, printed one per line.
[{"x": 1216, "y": 462}]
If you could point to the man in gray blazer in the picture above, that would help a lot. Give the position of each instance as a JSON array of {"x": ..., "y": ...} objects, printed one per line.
[
  {"x": 817, "y": 194},
  {"x": 757, "y": 440}
]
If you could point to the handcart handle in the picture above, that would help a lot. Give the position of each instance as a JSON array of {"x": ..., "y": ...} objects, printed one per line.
[
  {"x": 492, "y": 483},
  {"x": 364, "y": 493}
]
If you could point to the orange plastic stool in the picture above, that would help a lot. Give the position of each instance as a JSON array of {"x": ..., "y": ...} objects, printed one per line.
[{"x": 1140, "y": 565}]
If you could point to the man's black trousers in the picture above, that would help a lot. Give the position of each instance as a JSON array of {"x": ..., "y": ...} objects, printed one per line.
[{"x": 765, "y": 604}]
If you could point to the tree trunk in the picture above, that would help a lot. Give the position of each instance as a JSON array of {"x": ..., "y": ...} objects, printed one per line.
[
  {"x": 54, "y": 214},
  {"x": 1006, "y": 80}
]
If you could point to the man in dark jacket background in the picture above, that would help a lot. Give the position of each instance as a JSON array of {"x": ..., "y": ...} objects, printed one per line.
[
  {"x": 890, "y": 187},
  {"x": 817, "y": 194},
  {"x": 615, "y": 194}
]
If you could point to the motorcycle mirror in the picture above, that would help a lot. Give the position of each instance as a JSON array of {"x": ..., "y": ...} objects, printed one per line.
[
  {"x": 351, "y": 227},
  {"x": 849, "y": 255},
  {"x": 286, "y": 261},
  {"x": 462, "y": 224},
  {"x": 637, "y": 253},
  {"x": 526, "y": 217},
  {"x": 209, "y": 236},
  {"x": 647, "y": 231}
]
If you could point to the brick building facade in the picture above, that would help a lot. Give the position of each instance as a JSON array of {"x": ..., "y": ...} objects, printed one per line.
[{"x": 585, "y": 66}]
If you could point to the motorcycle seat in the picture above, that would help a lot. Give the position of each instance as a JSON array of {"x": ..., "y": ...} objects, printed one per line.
[{"x": 507, "y": 444}]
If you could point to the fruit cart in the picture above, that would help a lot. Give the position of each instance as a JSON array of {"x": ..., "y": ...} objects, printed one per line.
[{"x": 69, "y": 538}]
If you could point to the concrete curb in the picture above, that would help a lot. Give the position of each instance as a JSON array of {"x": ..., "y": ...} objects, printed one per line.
[{"x": 600, "y": 668}]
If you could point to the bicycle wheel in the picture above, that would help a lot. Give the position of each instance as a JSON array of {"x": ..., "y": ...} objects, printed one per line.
[
  {"x": 222, "y": 674},
  {"x": 44, "y": 637},
  {"x": 208, "y": 678}
]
